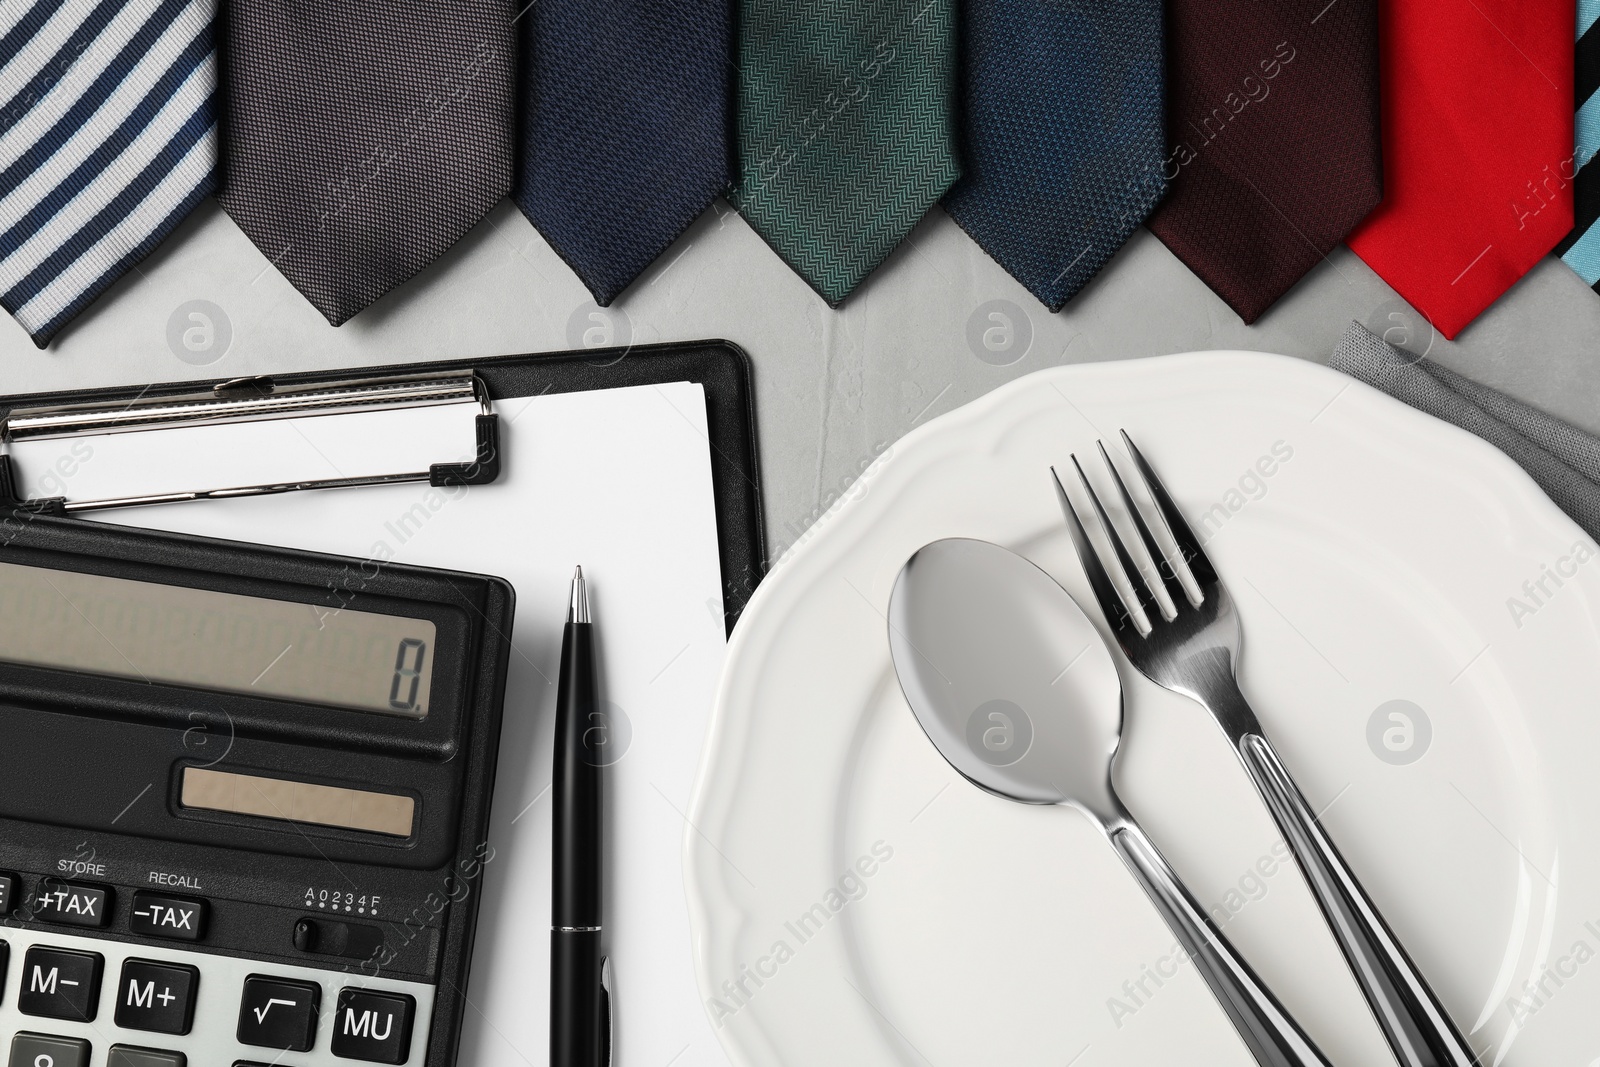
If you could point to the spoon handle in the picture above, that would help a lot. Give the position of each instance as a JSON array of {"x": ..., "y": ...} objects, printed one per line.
[{"x": 1266, "y": 1028}]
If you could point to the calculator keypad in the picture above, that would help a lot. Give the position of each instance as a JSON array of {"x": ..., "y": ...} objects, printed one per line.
[{"x": 151, "y": 1006}]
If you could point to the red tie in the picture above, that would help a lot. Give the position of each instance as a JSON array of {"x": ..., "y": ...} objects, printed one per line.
[{"x": 1477, "y": 150}]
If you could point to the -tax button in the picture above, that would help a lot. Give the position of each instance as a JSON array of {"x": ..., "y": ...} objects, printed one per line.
[
  {"x": 373, "y": 1026},
  {"x": 175, "y": 918}
]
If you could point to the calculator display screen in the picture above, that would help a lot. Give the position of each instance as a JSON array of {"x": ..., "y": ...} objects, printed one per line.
[{"x": 215, "y": 640}]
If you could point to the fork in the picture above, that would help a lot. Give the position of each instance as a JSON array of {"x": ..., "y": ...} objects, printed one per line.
[{"x": 1195, "y": 652}]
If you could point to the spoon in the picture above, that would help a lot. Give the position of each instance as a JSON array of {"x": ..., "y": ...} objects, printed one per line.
[{"x": 1015, "y": 688}]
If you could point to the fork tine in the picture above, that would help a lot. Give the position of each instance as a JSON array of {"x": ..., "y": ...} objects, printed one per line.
[
  {"x": 1112, "y": 605},
  {"x": 1130, "y": 573},
  {"x": 1188, "y": 544},
  {"x": 1158, "y": 558}
]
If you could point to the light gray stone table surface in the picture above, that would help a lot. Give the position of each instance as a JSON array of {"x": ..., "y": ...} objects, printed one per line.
[{"x": 937, "y": 325}]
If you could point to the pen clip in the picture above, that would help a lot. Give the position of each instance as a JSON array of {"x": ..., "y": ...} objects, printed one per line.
[{"x": 607, "y": 1026}]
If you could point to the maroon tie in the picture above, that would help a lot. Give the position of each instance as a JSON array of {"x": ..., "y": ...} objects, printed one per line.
[{"x": 1272, "y": 119}]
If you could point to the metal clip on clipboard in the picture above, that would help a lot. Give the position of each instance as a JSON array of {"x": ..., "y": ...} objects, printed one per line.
[{"x": 255, "y": 400}]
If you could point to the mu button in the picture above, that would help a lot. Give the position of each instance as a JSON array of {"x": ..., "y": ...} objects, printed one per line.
[
  {"x": 158, "y": 997},
  {"x": 373, "y": 1026},
  {"x": 59, "y": 983}
]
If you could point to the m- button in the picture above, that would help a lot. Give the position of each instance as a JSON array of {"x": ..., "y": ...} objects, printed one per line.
[
  {"x": 59, "y": 983},
  {"x": 71, "y": 903},
  {"x": 175, "y": 918},
  {"x": 157, "y": 996}
]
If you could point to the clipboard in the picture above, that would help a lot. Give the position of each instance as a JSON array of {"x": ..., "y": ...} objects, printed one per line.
[{"x": 720, "y": 367}]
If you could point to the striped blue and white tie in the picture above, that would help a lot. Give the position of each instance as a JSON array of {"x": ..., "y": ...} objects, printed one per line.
[
  {"x": 1581, "y": 248},
  {"x": 108, "y": 138}
]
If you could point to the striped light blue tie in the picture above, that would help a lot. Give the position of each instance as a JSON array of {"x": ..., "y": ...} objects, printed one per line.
[
  {"x": 108, "y": 138},
  {"x": 1581, "y": 248}
]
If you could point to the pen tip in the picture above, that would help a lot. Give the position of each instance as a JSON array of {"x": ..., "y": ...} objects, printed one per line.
[{"x": 578, "y": 611}]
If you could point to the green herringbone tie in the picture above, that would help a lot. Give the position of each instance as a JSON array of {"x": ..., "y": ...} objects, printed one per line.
[{"x": 846, "y": 119}]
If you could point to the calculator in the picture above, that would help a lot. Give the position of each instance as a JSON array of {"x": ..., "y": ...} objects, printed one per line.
[{"x": 244, "y": 799}]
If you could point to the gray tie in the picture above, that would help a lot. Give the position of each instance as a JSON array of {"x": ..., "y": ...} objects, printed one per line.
[{"x": 365, "y": 137}]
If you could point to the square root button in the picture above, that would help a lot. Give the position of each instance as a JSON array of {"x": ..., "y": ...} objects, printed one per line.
[
  {"x": 373, "y": 1026},
  {"x": 277, "y": 1013}
]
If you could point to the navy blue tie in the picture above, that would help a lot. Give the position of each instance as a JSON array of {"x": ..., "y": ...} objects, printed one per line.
[
  {"x": 624, "y": 128},
  {"x": 1063, "y": 134}
]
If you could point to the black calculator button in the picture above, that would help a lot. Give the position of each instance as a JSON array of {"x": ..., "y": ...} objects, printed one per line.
[
  {"x": 176, "y": 918},
  {"x": 158, "y": 997},
  {"x": 373, "y": 1026},
  {"x": 71, "y": 903},
  {"x": 60, "y": 983},
  {"x": 278, "y": 1013},
  {"x": 5, "y": 965},
  {"x": 43, "y": 1050},
  {"x": 129, "y": 1056},
  {"x": 10, "y": 886}
]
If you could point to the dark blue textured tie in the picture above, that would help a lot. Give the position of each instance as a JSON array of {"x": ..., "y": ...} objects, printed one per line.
[
  {"x": 1063, "y": 134},
  {"x": 624, "y": 128}
]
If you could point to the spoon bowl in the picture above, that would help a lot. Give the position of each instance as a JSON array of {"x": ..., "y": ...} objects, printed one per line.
[{"x": 1006, "y": 675}]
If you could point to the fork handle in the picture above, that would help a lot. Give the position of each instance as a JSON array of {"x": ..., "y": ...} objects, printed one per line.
[
  {"x": 1266, "y": 1028},
  {"x": 1418, "y": 1029}
]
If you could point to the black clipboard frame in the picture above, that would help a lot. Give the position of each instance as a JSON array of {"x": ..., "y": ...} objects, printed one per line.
[{"x": 720, "y": 367}]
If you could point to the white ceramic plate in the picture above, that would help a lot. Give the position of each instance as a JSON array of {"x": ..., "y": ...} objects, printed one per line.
[{"x": 855, "y": 901}]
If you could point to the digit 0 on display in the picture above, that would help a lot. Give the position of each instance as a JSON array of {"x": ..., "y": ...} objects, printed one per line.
[{"x": 409, "y": 662}]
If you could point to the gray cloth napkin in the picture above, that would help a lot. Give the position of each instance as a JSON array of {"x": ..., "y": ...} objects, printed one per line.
[{"x": 1562, "y": 459}]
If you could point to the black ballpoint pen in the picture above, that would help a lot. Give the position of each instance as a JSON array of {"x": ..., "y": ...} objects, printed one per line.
[{"x": 580, "y": 979}]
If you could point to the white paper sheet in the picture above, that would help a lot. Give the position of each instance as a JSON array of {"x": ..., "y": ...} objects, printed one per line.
[{"x": 620, "y": 482}]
